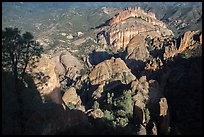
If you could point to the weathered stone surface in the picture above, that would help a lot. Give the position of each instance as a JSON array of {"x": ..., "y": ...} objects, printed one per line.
[
  {"x": 200, "y": 39},
  {"x": 112, "y": 69},
  {"x": 70, "y": 96},
  {"x": 45, "y": 79},
  {"x": 163, "y": 107},
  {"x": 164, "y": 117},
  {"x": 142, "y": 130},
  {"x": 170, "y": 51},
  {"x": 97, "y": 113},
  {"x": 136, "y": 49},
  {"x": 66, "y": 64},
  {"x": 135, "y": 12},
  {"x": 154, "y": 64},
  {"x": 187, "y": 41},
  {"x": 124, "y": 26}
]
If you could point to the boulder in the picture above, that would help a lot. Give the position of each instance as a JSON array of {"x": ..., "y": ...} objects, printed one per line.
[
  {"x": 70, "y": 96},
  {"x": 111, "y": 70}
]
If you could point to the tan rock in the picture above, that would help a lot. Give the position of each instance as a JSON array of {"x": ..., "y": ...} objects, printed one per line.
[
  {"x": 170, "y": 51},
  {"x": 138, "y": 44},
  {"x": 70, "y": 96},
  {"x": 200, "y": 38},
  {"x": 109, "y": 69},
  {"x": 187, "y": 41},
  {"x": 97, "y": 113},
  {"x": 46, "y": 80},
  {"x": 124, "y": 26},
  {"x": 164, "y": 117},
  {"x": 163, "y": 107},
  {"x": 135, "y": 12}
]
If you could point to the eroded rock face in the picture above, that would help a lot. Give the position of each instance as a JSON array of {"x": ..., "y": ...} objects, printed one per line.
[
  {"x": 70, "y": 96},
  {"x": 136, "y": 49},
  {"x": 128, "y": 23},
  {"x": 46, "y": 80},
  {"x": 112, "y": 69},
  {"x": 164, "y": 116},
  {"x": 170, "y": 51},
  {"x": 200, "y": 39},
  {"x": 66, "y": 64},
  {"x": 187, "y": 41},
  {"x": 148, "y": 102},
  {"x": 135, "y": 12}
]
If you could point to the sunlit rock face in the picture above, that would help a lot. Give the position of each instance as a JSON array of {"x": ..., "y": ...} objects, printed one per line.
[
  {"x": 114, "y": 68},
  {"x": 46, "y": 80},
  {"x": 66, "y": 64},
  {"x": 187, "y": 41},
  {"x": 122, "y": 27}
]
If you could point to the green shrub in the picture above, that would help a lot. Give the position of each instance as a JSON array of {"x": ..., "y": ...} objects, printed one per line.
[
  {"x": 125, "y": 103},
  {"x": 108, "y": 115},
  {"x": 95, "y": 105},
  {"x": 71, "y": 106},
  {"x": 120, "y": 122}
]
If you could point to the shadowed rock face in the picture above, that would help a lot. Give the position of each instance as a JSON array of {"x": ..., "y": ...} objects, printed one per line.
[
  {"x": 114, "y": 68},
  {"x": 52, "y": 119},
  {"x": 128, "y": 23}
]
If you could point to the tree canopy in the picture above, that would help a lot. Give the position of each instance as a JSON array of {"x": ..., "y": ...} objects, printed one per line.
[{"x": 17, "y": 50}]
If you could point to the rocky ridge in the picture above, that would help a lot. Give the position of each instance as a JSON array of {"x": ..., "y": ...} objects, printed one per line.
[{"x": 126, "y": 24}]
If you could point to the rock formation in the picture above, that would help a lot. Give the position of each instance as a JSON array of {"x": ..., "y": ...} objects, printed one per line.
[
  {"x": 135, "y": 12},
  {"x": 112, "y": 69},
  {"x": 164, "y": 117},
  {"x": 146, "y": 97},
  {"x": 46, "y": 80},
  {"x": 136, "y": 49},
  {"x": 66, "y": 64},
  {"x": 70, "y": 96},
  {"x": 187, "y": 41},
  {"x": 200, "y": 39},
  {"x": 170, "y": 51},
  {"x": 97, "y": 113},
  {"x": 128, "y": 23}
]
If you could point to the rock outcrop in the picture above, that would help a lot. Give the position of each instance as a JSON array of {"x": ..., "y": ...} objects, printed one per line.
[
  {"x": 135, "y": 12},
  {"x": 112, "y": 69},
  {"x": 187, "y": 41},
  {"x": 137, "y": 49},
  {"x": 66, "y": 64},
  {"x": 97, "y": 113},
  {"x": 200, "y": 39},
  {"x": 148, "y": 103},
  {"x": 46, "y": 80},
  {"x": 128, "y": 23},
  {"x": 70, "y": 96},
  {"x": 170, "y": 51}
]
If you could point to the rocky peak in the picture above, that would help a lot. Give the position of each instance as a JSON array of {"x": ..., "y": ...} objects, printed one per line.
[
  {"x": 130, "y": 22},
  {"x": 135, "y": 12}
]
